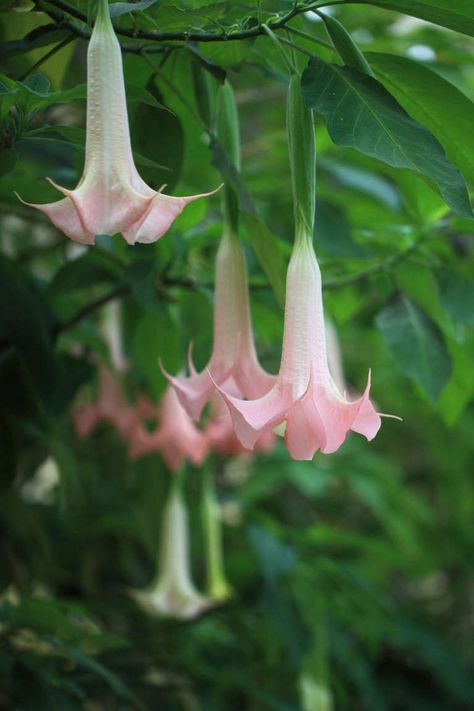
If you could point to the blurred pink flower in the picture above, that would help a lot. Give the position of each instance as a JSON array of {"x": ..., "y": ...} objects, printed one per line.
[
  {"x": 110, "y": 406},
  {"x": 176, "y": 438},
  {"x": 304, "y": 395},
  {"x": 233, "y": 358},
  {"x": 110, "y": 197}
]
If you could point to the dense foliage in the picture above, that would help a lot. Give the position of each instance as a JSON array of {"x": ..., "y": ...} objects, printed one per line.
[{"x": 352, "y": 573}]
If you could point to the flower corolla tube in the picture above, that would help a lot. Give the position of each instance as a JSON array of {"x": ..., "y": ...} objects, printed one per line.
[{"x": 110, "y": 197}]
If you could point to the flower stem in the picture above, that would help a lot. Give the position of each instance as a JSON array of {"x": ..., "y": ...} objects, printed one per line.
[{"x": 217, "y": 586}]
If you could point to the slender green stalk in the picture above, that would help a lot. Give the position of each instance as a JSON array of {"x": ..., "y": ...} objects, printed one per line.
[{"x": 217, "y": 586}]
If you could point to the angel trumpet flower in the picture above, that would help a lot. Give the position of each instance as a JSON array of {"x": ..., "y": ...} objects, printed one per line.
[
  {"x": 111, "y": 406},
  {"x": 173, "y": 593},
  {"x": 110, "y": 197},
  {"x": 177, "y": 438},
  {"x": 304, "y": 396},
  {"x": 233, "y": 360}
]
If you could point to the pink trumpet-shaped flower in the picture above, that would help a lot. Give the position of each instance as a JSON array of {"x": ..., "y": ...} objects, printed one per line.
[
  {"x": 110, "y": 406},
  {"x": 177, "y": 438},
  {"x": 304, "y": 396},
  {"x": 110, "y": 197},
  {"x": 233, "y": 358},
  {"x": 221, "y": 436}
]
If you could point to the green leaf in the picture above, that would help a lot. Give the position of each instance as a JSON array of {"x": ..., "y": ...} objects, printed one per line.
[
  {"x": 360, "y": 113},
  {"x": 228, "y": 55},
  {"x": 456, "y": 14},
  {"x": 457, "y": 295},
  {"x": 116, "y": 9},
  {"x": 94, "y": 267},
  {"x": 434, "y": 102},
  {"x": 167, "y": 146},
  {"x": 416, "y": 344},
  {"x": 155, "y": 338},
  {"x": 141, "y": 276}
]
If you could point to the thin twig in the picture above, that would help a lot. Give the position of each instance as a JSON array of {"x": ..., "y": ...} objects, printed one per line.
[
  {"x": 88, "y": 309},
  {"x": 384, "y": 266},
  {"x": 249, "y": 33}
]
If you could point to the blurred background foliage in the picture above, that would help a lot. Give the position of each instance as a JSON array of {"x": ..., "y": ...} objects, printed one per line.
[{"x": 352, "y": 573}]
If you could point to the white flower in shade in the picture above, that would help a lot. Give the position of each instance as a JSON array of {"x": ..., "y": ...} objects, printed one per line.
[{"x": 174, "y": 594}]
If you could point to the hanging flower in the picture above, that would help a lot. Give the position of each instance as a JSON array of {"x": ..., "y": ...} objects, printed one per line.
[
  {"x": 110, "y": 406},
  {"x": 110, "y": 197},
  {"x": 233, "y": 360},
  {"x": 304, "y": 396},
  {"x": 173, "y": 593},
  {"x": 176, "y": 438}
]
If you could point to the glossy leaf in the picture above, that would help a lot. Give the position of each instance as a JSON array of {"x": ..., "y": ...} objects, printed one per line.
[
  {"x": 434, "y": 102},
  {"x": 416, "y": 345},
  {"x": 458, "y": 15},
  {"x": 360, "y": 113}
]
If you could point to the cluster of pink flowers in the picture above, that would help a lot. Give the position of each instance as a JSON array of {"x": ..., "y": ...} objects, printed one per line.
[
  {"x": 174, "y": 435},
  {"x": 246, "y": 403}
]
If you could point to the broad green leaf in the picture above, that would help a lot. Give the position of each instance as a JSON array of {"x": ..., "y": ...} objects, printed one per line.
[
  {"x": 360, "y": 113},
  {"x": 228, "y": 55},
  {"x": 416, "y": 345},
  {"x": 434, "y": 102},
  {"x": 456, "y": 14},
  {"x": 457, "y": 295},
  {"x": 141, "y": 275},
  {"x": 94, "y": 267},
  {"x": 458, "y": 392},
  {"x": 167, "y": 146},
  {"x": 154, "y": 339}
]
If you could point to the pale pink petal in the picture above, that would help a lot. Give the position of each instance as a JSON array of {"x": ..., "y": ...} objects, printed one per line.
[
  {"x": 367, "y": 421},
  {"x": 86, "y": 419},
  {"x": 158, "y": 217},
  {"x": 252, "y": 418},
  {"x": 64, "y": 215}
]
